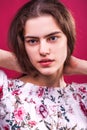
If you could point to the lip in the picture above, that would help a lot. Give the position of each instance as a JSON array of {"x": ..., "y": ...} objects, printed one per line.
[{"x": 46, "y": 62}]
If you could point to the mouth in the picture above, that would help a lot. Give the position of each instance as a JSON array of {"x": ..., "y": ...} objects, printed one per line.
[{"x": 46, "y": 62}]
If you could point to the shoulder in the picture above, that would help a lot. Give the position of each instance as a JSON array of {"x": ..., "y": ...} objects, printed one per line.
[
  {"x": 79, "y": 91},
  {"x": 80, "y": 94},
  {"x": 2, "y": 73},
  {"x": 3, "y": 77},
  {"x": 79, "y": 87},
  {"x": 3, "y": 83},
  {"x": 8, "y": 86}
]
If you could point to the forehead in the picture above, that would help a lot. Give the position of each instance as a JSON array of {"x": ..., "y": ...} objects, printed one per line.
[{"x": 40, "y": 26}]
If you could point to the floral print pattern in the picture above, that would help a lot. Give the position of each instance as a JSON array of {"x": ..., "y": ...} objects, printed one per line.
[{"x": 30, "y": 107}]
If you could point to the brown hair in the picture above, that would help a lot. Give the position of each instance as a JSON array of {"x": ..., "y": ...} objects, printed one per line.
[{"x": 36, "y": 8}]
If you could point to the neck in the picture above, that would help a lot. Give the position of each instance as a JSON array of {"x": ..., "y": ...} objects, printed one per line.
[
  {"x": 54, "y": 80},
  {"x": 51, "y": 81}
]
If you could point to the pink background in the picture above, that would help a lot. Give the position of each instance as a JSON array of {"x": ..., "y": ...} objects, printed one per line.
[{"x": 79, "y": 10}]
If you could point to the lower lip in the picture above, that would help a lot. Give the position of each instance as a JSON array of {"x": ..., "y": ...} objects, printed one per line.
[{"x": 46, "y": 64}]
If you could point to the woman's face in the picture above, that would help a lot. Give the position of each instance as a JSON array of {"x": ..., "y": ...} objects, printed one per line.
[{"x": 45, "y": 44}]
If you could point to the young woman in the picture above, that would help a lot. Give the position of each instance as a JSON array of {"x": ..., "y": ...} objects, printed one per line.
[{"x": 42, "y": 36}]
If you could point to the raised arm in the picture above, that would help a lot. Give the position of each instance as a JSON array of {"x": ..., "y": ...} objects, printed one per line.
[
  {"x": 9, "y": 61},
  {"x": 76, "y": 66}
]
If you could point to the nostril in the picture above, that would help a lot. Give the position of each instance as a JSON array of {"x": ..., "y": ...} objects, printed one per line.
[{"x": 44, "y": 50}]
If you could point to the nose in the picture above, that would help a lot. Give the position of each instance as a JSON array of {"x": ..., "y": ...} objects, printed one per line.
[{"x": 44, "y": 48}]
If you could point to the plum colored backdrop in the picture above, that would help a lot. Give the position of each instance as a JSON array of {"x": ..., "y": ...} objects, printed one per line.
[{"x": 78, "y": 8}]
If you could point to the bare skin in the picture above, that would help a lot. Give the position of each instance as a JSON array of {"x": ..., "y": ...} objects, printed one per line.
[
  {"x": 9, "y": 61},
  {"x": 76, "y": 66}
]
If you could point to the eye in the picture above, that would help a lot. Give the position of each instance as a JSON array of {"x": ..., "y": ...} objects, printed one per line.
[
  {"x": 31, "y": 41},
  {"x": 53, "y": 39}
]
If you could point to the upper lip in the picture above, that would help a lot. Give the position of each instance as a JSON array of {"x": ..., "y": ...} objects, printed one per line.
[{"x": 45, "y": 60}]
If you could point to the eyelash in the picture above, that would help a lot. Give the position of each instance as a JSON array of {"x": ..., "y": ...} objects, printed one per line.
[
  {"x": 31, "y": 41},
  {"x": 53, "y": 38},
  {"x": 50, "y": 39}
]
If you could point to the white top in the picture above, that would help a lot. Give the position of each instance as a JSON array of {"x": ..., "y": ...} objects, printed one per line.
[{"x": 31, "y": 107}]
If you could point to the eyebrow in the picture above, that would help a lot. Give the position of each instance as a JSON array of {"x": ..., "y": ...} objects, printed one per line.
[{"x": 53, "y": 33}]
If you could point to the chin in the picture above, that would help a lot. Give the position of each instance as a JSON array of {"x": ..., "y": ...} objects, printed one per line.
[{"x": 48, "y": 73}]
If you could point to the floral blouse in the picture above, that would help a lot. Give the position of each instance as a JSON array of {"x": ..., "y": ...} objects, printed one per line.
[{"x": 31, "y": 107}]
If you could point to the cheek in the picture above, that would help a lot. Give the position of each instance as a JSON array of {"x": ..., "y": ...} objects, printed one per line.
[
  {"x": 28, "y": 51},
  {"x": 31, "y": 53},
  {"x": 61, "y": 50},
  {"x": 61, "y": 54}
]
